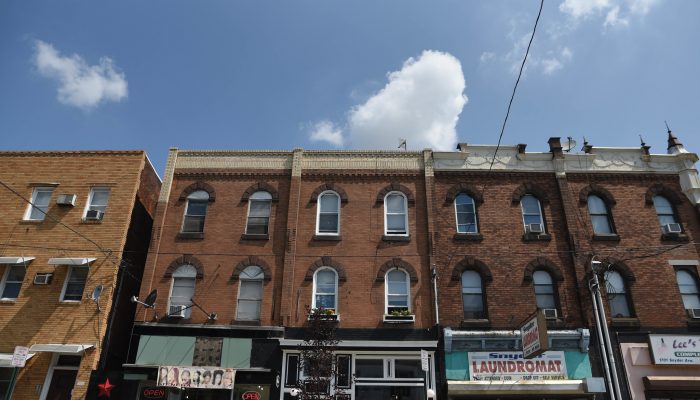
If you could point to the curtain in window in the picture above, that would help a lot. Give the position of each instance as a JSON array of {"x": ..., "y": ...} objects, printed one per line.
[
  {"x": 472, "y": 295},
  {"x": 544, "y": 289},
  {"x": 259, "y": 213},
  {"x": 617, "y": 295},
  {"x": 250, "y": 294}
]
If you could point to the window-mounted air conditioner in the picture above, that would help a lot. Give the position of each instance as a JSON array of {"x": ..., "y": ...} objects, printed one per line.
[
  {"x": 66, "y": 200},
  {"x": 94, "y": 215},
  {"x": 177, "y": 311},
  {"x": 550, "y": 313},
  {"x": 43, "y": 278},
  {"x": 672, "y": 228},
  {"x": 694, "y": 313},
  {"x": 534, "y": 228}
]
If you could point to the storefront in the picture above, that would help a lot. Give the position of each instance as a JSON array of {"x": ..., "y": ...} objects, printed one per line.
[
  {"x": 490, "y": 364},
  {"x": 661, "y": 366}
]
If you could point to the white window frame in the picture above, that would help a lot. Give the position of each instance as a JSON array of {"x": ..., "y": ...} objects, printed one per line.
[
  {"x": 71, "y": 268},
  {"x": 5, "y": 277},
  {"x": 261, "y": 282},
  {"x": 35, "y": 193},
  {"x": 187, "y": 207},
  {"x": 318, "y": 213},
  {"x": 386, "y": 290},
  {"x": 405, "y": 214},
  {"x": 607, "y": 215},
  {"x": 476, "y": 222},
  {"x": 552, "y": 284},
  {"x": 188, "y": 310},
  {"x": 659, "y": 215},
  {"x": 539, "y": 206},
  {"x": 251, "y": 199},
  {"x": 49, "y": 375},
  {"x": 480, "y": 293},
  {"x": 335, "y": 289},
  {"x": 89, "y": 205},
  {"x": 693, "y": 279},
  {"x": 612, "y": 291}
]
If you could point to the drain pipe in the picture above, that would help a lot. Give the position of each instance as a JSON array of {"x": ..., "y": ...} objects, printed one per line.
[
  {"x": 435, "y": 297},
  {"x": 593, "y": 283}
]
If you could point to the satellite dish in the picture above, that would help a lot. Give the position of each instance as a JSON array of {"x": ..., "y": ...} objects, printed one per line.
[
  {"x": 151, "y": 298},
  {"x": 96, "y": 293},
  {"x": 402, "y": 143},
  {"x": 569, "y": 144}
]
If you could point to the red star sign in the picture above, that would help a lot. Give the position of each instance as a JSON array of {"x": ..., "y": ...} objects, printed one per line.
[{"x": 105, "y": 388}]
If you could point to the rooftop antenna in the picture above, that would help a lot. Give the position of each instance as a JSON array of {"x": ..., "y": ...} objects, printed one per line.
[
  {"x": 569, "y": 144},
  {"x": 641, "y": 140},
  {"x": 402, "y": 143},
  {"x": 667, "y": 128}
]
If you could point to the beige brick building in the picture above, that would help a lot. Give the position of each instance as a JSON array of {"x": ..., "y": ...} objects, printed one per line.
[{"x": 89, "y": 229}]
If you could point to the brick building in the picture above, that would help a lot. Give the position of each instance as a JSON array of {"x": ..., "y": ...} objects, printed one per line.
[{"x": 86, "y": 234}]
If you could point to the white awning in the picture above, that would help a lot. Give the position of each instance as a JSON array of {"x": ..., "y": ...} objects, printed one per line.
[
  {"x": 6, "y": 359},
  {"x": 70, "y": 261},
  {"x": 61, "y": 348},
  {"x": 554, "y": 387},
  {"x": 15, "y": 260}
]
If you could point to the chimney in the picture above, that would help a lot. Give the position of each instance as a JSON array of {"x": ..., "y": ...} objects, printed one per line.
[{"x": 555, "y": 146}]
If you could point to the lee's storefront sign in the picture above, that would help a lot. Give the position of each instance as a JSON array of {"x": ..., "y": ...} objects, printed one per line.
[
  {"x": 511, "y": 366},
  {"x": 675, "y": 349}
]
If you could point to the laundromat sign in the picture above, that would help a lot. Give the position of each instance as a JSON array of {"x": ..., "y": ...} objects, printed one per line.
[
  {"x": 512, "y": 366},
  {"x": 675, "y": 349}
]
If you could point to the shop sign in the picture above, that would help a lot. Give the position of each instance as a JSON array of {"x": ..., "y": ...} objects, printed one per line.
[
  {"x": 154, "y": 393},
  {"x": 196, "y": 377},
  {"x": 533, "y": 335},
  {"x": 512, "y": 366},
  {"x": 675, "y": 349},
  {"x": 250, "y": 396}
]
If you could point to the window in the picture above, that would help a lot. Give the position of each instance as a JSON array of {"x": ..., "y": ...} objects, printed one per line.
[
  {"x": 97, "y": 201},
  {"x": 195, "y": 212},
  {"x": 465, "y": 211},
  {"x": 40, "y": 200},
  {"x": 325, "y": 289},
  {"x": 618, "y": 298},
  {"x": 532, "y": 214},
  {"x": 259, "y": 213},
  {"x": 688, "y": 286},
  {"x": 328, "y": 218},
  {"x": 181, "y": 295},
  {"x": 395, "y": 215},
  {"x": 75, "y": 284},
  {"x": 12, "y": 281},
  {"x": 61, "y": 377},
  {"x": 600, "y": 216},
  {"x": 664, "y": 211},
  {"x": 544, "y": 290},
  {"x": 397, "y": 291},
  {"x": 472, "y": 295},
  {"x": 250, "y": 294}
]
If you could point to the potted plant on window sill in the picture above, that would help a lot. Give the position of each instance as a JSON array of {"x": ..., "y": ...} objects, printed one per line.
[
  {"x": 399, "y": 316},
  {"x": 325, "y": 314}
]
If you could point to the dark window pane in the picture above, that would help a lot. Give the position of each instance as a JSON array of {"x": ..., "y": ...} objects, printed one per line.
[
  {"x": 408, "y": 369},
  {"x": 365, "y": 368},
  {"x": 292, "y": 370},
  {"x": 328, "y": 223},
  {"x": 343, "y": 375}
]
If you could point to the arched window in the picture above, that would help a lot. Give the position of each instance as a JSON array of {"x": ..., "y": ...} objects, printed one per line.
[
  {"x": 395, "y": 214},
  {"x": 618, "y": 296},
  {"x": 328, "y": 214},
  {"x": 473, "y": 295},
  {"x": 195, "y": 212},
  {"x": 600, "y": 216},
  {"x": 688, "y": 286},
  {"x": 465, "y": 212},
  {"x": 397, "y": 291},
  {"x": 250, "y": 294},
  {"x": 325, "y": 289},
  {"x": 545, "y": 291},
  {"x": 182, "y": 291},
  {"x": 532, "y": 214},
  {"x": 666, "y": 214},
  {"x": 259, "y": 205}
]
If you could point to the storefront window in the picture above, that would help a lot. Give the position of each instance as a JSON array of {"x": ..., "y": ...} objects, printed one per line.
[
  {"x": 390, "y": 392},
  {"x": 373, "y": 368}
]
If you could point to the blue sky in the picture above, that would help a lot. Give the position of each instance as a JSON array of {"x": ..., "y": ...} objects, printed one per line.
[{"x": 331, "y": 74}]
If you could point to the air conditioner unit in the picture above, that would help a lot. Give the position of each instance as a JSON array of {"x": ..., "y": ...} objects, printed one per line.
[
  {"x": 43, "y": 278},
  {"x": 66, "y": 200},
  {"x": 94, "y": 215},
  {"x": 550, "y": 313},
  {"x": 694, "y": 313},
  {"x": 672, "y": 228},
  {"x": 534, "y": 228},
  {"x": 177, "y": 311}
]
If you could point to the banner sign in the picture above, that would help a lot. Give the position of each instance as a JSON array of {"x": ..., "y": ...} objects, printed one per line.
[
  {"x": 675, "y": 349},
  {"x": 512, "y": 366},
  {"x": 196, "y": 377},
  {"x": 533, "y": 334}
]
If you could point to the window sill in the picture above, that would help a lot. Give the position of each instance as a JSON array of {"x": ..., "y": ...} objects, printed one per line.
[
  {"x": 190, "y": 235},
  {"x": 399, "y": 319},
  {"x": 533, "y": 237},
  {"x": 675, "y": 237},
  {"x": 326, "y": 317},
  {"x": 626, "y": 322},
  {"x": 606, "y": 238},
  {"x": 475, "y": 323},
  {"x": 30, "y": 221},
  {"x": 327, "y": 238},
  {"x": 90, "y": 221},
  {"x": 468, "y": 237},
  {"x": 248, "y": 236},
  {"x": 396, "y": 238},
  {"x": 8, "y": 301},
  {"x": 70, "y": 302}
]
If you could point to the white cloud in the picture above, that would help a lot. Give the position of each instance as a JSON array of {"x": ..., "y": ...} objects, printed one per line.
[
  {"x": 613, "y": 19},
  {"x": 326, "y": 131},
  {"x": 421, "y": 103},
  {"x": 584, "y": 8},
  {"x": 80, "y": 85},
  {"x": 486, "y": 56},
  {"x": 617, "y": 12}
]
